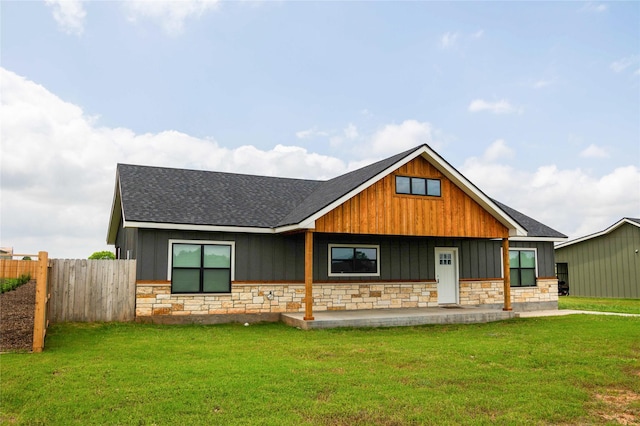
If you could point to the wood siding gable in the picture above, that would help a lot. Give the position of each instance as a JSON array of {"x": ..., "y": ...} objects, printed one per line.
[{"x": 378, "y": 210}]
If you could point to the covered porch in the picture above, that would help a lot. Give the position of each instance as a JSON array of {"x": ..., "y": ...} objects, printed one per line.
[{"x": 396, "y": 317}]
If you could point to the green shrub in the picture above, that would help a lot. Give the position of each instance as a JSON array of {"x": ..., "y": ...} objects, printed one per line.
[
  {"x": 103, "y": 255},
  {"x": 8, "y": 284}
]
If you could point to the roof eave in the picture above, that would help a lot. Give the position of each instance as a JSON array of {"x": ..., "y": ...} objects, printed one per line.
[
  {"x": 515, "y": 229},
  {"x": 195, "y": 227},
  {"x": 116, "y": 213},
  {"x": 598, "y": 234},
  {"x": 538, "y": 239}
]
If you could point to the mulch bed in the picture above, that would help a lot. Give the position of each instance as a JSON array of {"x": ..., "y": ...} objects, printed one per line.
[{"x": 16, "y": 318}]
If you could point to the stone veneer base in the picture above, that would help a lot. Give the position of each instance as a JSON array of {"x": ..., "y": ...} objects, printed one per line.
[{"x": 265, "y": 302}]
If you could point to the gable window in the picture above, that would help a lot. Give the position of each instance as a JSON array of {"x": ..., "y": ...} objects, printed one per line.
[
  {"x": 522, "y": 264},
  {"x": 418, "y": 186},
  {"x": 201, "y": 266},
  {"x": 353, "y": 260}
]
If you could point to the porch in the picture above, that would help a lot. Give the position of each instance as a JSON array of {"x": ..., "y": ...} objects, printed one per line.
[{"x": 453, "y": 314}]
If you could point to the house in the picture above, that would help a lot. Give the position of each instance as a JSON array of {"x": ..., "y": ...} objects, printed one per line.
[
  {"x": 604, "y": 264},
  {"x": 407, "y": 231},
  {"x": 6, "y": 253}
]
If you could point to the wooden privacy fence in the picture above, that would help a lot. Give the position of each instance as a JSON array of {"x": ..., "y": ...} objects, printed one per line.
[
  {"x": 92, "y": 290},
  {"x": 10, "y": 268}
]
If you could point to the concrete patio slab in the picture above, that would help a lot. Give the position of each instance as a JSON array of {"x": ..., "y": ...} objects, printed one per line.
[{"x": 396, "y": 317}]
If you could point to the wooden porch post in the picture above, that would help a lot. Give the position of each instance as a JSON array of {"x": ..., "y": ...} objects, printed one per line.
[
  {"x": 308, "y": 275},
  {"x": 506, "y": 271}
]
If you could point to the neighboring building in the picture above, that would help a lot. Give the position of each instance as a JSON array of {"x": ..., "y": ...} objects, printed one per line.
[
  {"x": 604, "y": 264},
  {"x": 407, "y": 231},
  {"x": 6, "y": 253}
]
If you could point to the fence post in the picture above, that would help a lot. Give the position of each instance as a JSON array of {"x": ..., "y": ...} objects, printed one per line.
[{"x": 39, "y": 319}]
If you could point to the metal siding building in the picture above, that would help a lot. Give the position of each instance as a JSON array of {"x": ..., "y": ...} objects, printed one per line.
[{"x": 605, "y": 264}]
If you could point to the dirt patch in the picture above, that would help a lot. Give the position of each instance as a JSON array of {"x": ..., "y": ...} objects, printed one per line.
[
  {"x": 16, "y": 318},
  {"x": 619, "y": 407}
]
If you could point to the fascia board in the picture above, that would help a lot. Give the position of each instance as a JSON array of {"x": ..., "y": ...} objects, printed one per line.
[
  {"x": 539, "y": 239},
  {"x": 116, "y": 213},
  {"x": 515, "y": 229},
  {"x": 190, "y": 227},
  {"x": 361, "y": 187},
  {"x": 456, "y": 177},
  {"x": 290, "y": 228},
  {"x": 598, "y": 234}
]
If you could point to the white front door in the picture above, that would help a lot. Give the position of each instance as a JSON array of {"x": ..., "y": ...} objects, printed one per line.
[{"x": 447, "y": 275}]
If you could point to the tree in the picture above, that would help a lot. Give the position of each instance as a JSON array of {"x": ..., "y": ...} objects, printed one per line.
[{"x": 102, "y": 255}]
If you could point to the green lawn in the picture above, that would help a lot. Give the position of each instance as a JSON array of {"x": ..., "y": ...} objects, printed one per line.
[
  {"x": 627, "y": 306},
  {"x": 580, "y": 369}
]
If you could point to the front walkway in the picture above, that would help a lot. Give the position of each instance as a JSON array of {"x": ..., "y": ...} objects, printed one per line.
[{"x": 396, "y": 317}]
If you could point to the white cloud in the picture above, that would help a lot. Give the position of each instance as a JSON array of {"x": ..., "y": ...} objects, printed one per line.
[
  {"x": 395, "y": 138},
  {"x": 448, "y": 40},
  {"x": 170, "y": 15},
  {"x": 541, "y": 84},
  {"x": 624, "y": 63},
  {"x": 351, "y": 132},
  {"x": 593, "y": 7},
  {"x": 572, "y": 201},
  {"x": 58, "y": 168},
  {"x": 310, "y": 133},
  {"x": 498, "y": 150},
  {"x": 69, "y": 14},
  {"x": 593, "y": 151},
  {"x": 499, "y": 107},
  {"x": 58, "y": 172}
]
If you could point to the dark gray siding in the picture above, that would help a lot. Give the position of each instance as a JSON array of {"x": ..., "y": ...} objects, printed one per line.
[
  {"x": 605, "y": 266},
  {"x": 413, "y": 258},
  {"x": 266, "y": 257},
  {"x": 258, "y": 256},
  {"x": 126, "y": 240}
]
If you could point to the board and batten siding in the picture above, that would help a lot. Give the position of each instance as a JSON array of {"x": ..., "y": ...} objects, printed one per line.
[
  {"x": 263, "y": 257},
  {"x": 413, "y": 258},
  {"x": 605, "y": 266},
  {"x": 378, "y": 210},
  {"x": 258, "y": 257}
]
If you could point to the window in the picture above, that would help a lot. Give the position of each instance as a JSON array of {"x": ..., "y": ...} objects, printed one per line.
[
  {"x": 201, "y": 266},
  {"x": 445, "y": 258},
  {"x": 522, "y": 264},
  {"x": 417, "y": 186},
  {"x": 349, "y": 260}
]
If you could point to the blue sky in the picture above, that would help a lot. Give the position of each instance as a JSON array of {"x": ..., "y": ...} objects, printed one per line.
[{"x": 538, "y": 103}]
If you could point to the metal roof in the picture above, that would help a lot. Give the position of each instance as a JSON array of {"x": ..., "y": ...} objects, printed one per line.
[{"x": 629, "y": 220}]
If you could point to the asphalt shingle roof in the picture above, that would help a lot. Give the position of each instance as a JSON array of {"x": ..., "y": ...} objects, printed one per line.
[
  {"x": 164, "y": 195},
  {"x": 194, "y": 197},
  {"x": 533, "y": 227}
]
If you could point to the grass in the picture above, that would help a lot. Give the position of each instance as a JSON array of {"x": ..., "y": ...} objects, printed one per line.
[
  {"x": 8, "y": 284},
  {"x": 626, "y": 306},
  {"x": 556, "y": 370}
]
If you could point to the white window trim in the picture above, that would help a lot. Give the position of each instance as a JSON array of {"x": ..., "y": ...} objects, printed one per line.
[
  {"x": 354, "y": 274},
  {"x": 222, "y": 243},
  {"x": 519, "y": 249}
]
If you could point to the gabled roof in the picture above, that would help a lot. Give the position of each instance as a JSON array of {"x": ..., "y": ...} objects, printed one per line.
[
  {"x": 159, "y": 197},
  {"x": 618, "y": 224}
]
